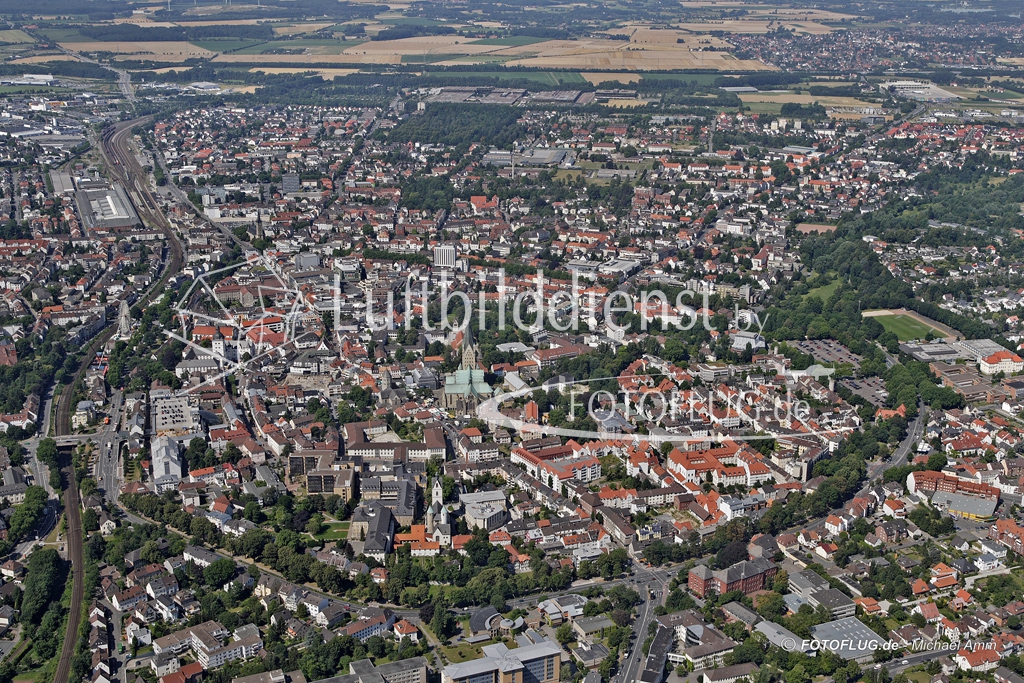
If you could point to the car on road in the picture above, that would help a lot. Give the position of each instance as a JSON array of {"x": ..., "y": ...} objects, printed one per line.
[{"x": 904, "y": 662}]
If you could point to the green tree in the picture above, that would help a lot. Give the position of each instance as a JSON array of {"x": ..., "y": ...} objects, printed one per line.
[{"x": 219, "y": 572}]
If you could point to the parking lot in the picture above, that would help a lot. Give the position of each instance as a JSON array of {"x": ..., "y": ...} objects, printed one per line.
[
  {"x": 828, "y": 351},
  {"x": 872, "y": 389}
]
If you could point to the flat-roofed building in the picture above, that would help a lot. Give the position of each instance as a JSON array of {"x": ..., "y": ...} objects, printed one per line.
[
  {"x": 107, "y": 209},
  {"x": 412, "y": 670},
  {"x": 838, "y": 604},
  {"x": 536, "y": 663}
]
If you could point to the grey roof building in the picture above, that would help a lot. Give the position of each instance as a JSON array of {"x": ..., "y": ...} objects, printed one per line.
[
  {"x": 376, "y": 523},
  {"x": 735, "y": 610},
  {"x": 412, "y": 670},
  {"x": 856, "y": 640},
  {"x": 729, "y": 674},
  {"x": 106, "y": 209},
  {"x": 837, "y": 603},
  {"x": 783, "y": 637},
  {"x": 806, "y": 582},
  {"x": 959, "y": 505}
]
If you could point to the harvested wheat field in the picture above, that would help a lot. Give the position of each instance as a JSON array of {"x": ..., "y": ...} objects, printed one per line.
[
  {"x": 168, "y": 51},
  {"x": 756, "y": 26},
  {"x": 800, "y": 14},
  {"x": 143, "y": 20},
  {"x": 594, "y": 54},
  {"x": 642, "y": 35},
  {"x": 596, "y": 78},
  {"x": 308, "y": 59},
  {"x": 295, "y": 29},
  {"x": 226, "y": 22},
  {"x": 43, "y": 59}
]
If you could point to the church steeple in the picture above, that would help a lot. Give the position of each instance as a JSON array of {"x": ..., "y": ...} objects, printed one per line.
[{"x": 469, "y": 359}]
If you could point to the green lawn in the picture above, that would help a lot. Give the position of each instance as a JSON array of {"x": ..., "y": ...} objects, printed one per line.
[
  {"x": 919, "y": 677},
  {"x": 764, "y": 107},
  {"x": 904, "y": 327},
  {"x": 463, "y": 651},
  {"x": 825, "y": 292},
  {"x": 336, "y": 531}
]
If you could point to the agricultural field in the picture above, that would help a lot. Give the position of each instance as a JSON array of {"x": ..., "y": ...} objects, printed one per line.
[
  {"x": 227, "y": 44},
  {"x": 755, "y": 26},
  {"x": 326, "y": 74},
  {"x": 584, "y": 54},
  {"x": 624, "y": 79},
  {"x": 164, "y": 51},
  {"x": 309, "y": 43},
  {"x": 803, "y": 98},
  {"x": 15, "y": 36}
]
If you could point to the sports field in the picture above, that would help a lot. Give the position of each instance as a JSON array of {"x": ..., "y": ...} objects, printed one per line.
[
  {"x": 905, "y": 328},
  {"x": 907, "y": 324}
]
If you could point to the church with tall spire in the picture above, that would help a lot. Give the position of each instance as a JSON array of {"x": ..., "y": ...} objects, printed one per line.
[
  {"x": 465, "y": 388},
  {"x": 469, "y": 353}
]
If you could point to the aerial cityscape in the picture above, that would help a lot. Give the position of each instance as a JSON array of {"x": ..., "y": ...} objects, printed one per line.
[{"x": 442, "y": 341}]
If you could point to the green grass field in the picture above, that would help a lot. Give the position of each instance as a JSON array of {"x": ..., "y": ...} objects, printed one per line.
[
  {"x": 326, "y": 45},
  {"x": 486, "y": 59},
  {"x": 15, "y": 36},
  {"x": 699, "y": 79},
  {"x": 904, "y": 327},
  {"x": 227, "y": 44},
  {"x": 336, "y": 531},
  {"x": 64, "y": 35},
  {"x": 825, "y": 291}
]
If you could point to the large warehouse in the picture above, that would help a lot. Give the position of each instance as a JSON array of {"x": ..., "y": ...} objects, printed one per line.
[{"x": 107, "y": 209}]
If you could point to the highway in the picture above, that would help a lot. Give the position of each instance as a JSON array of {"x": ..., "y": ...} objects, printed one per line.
[{"x": 124, "y": 78}]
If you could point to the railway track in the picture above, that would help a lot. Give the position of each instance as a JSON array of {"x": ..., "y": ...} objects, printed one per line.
[{"x": 125, "y": 168}]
